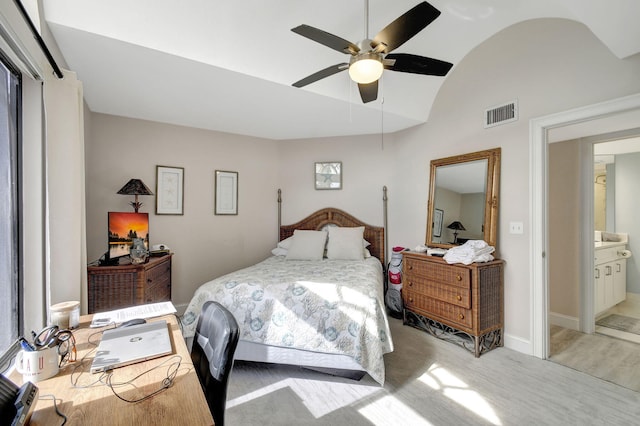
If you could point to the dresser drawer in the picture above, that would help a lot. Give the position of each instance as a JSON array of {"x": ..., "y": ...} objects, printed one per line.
[
  {"x": 446, "y": 274},
  {"x": 159, "y": 272},
  {"x": 438, "y": 310},
  {"x": 453, "y": 294},
  {"x": 160, "y": 291},
  {"x": 158, "y": 283}
]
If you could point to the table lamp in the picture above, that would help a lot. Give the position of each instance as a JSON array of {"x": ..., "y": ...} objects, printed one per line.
[
  {"x": 135, "y": 187},
  {"x": 456, "y": 226}
]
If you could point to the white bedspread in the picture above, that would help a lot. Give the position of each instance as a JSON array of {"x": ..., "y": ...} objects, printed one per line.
[{"x": 329, "y": 306}]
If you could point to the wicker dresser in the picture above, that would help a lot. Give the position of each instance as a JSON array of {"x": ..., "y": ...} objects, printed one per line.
[
  {"x": 460, "y": 303},
  {"x": 115, "y": 287}
]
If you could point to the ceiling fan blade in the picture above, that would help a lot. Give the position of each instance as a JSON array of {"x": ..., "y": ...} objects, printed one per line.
[
  {"x": 415, "y": 64},
  {"x": 368, "y": 92},
  {"x": 406, "y": 26},
  {"x": 327, "y": 39},
  {"x": 333, "y": 69}
]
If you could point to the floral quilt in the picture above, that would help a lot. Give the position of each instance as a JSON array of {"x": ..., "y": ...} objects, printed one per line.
[{"x": 328, "y": 306}]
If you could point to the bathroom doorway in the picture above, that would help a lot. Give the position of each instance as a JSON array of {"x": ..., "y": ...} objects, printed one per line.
[{"x": 612, "y": 352}]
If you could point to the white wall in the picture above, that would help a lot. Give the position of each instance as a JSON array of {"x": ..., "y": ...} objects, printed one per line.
[
  {"x": 564, "y": 229},
  {"x": 367, "y": 162},
  {"x": 205, "y": 245}
]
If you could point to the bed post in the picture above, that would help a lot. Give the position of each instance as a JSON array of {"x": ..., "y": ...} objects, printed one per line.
[
  {"x": 279, "y": 211},
  {"x": 384, "y": 220}
]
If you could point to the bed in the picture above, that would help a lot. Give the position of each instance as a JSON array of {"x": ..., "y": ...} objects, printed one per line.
[{"x": 323, "y": 313}]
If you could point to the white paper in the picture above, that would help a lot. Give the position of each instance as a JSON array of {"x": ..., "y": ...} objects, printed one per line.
[{"x": 150, "y": 310}]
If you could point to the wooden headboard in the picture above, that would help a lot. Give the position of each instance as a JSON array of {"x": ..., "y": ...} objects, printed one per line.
[{"x": 330, "y": 216}]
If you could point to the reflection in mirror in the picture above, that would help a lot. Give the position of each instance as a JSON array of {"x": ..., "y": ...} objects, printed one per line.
[
  {"x": 603, "y": 197},
  {"x": 463, "y": 199},
  {"x": 460, "y": 195}
]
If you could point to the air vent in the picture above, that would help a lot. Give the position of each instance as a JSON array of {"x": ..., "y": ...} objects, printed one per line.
[{"x": 501, "y": 114}]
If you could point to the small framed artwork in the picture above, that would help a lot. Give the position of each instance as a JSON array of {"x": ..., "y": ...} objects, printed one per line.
[
  {"x": 169, "y": 190},
  {"x": 226, "y": 195},
  {"x": 437, "y": 222},
  {"x": 328, "y": 175}
]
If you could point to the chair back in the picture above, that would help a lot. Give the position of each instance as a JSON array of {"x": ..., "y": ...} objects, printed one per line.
[{"x": 214, "y": 345}]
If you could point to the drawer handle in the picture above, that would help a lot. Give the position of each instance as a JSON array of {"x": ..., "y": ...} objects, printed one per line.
[
  {"x": 410, "y": 267},
  {"x": 458, "y": 277},
  {"x": 410, "y": 283},
  {"x": 460, "y": 316},
  {"x": 458, "y": 297},
  {"x": 411, "y": 299}
]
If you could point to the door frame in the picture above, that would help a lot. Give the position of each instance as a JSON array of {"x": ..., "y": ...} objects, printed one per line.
[{"x": 538, "y": 183}]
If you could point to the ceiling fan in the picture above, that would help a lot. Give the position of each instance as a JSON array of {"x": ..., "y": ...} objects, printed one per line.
[{"x": 370, "y": 56}]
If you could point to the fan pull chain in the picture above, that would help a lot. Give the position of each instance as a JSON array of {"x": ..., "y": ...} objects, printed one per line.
[{"x": 382, "y": 126}]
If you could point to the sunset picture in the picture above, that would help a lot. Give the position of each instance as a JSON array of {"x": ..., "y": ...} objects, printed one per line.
[{"x": 123, "y": 228}]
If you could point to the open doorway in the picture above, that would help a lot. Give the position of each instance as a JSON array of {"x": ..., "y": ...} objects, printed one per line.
[
  {"x": 605, "y": 117},
  {"x": 573, "y": 178},
  {"x": 607, "y": 353},
  {"x": 606, "y": 206}
]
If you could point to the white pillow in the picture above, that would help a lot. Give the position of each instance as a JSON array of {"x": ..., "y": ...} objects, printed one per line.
[
  {"x": 345, "y": 243},
  {"x": 307, "y": 245},
  {"x": 286, "y": 243},
  {"x": 278, "y": 251}
]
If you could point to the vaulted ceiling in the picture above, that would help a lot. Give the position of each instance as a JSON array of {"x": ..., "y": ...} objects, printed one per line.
[{"x": 228, "y": 65}]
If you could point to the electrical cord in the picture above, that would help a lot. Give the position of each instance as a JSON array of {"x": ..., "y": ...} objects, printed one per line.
[
  {"x": 75, "y": 376},
  {"x": 167, "y": 382},
  {"x": 55, "y": 406}
]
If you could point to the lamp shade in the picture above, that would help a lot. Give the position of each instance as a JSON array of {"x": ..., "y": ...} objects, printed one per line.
[
  {"x": 366, "y": 68},
  {"x": 457, "y": 226},
  {"x": 135, "y": 187}
]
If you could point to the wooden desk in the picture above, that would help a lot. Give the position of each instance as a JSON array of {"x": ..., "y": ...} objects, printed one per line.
[{"x": 181, "y": 403}]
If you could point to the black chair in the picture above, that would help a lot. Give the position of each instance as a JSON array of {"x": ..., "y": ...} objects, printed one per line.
[{"x": 214, "y": 345}]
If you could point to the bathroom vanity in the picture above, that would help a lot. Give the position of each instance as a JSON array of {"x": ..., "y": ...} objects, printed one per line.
[{"x": 610, "y": 274}]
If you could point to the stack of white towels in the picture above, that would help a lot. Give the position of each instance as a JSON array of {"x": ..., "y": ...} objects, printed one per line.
[{"x": 470, "y": 252}]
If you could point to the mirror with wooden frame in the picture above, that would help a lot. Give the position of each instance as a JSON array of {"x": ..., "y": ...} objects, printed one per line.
[{"x": 463, "y": 199}]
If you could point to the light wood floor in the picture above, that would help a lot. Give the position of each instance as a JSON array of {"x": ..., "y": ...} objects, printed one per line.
[
  {"x": 609, "y": 354},
  {"x": 430, "y": 382}
]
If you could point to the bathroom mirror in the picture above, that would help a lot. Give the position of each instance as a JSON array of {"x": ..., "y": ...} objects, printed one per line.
[{"x": 463, "y": 199}]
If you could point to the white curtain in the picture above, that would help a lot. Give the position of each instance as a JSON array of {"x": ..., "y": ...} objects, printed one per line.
[{"x": 65, "y": 191}]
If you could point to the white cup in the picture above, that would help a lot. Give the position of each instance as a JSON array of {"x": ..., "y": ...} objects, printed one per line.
[{"x": 38, "y": 365}]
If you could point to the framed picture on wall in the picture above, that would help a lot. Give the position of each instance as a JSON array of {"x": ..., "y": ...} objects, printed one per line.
[
  {"x": 328, "y": 175},
  {"x": 169, "y": 190},
  {"x": 437, "y": 222},
  {"x": 226, "y": 192}
]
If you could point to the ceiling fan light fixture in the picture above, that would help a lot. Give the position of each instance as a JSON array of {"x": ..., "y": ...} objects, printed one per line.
[{"x": 366, "y": 68}]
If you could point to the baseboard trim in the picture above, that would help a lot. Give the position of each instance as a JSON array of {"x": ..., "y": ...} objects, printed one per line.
[
  {"x": 518, "y": 344},
  {"x": 564, "y": 321}
]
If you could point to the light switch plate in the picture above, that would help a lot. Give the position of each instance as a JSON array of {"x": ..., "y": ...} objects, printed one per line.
[{"x": 516, "y": 228}]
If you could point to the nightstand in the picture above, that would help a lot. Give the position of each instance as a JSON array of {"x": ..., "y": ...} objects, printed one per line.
[{"x": 122, "y": 286}]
